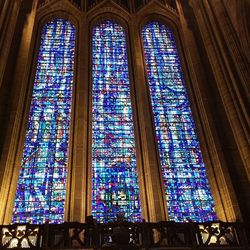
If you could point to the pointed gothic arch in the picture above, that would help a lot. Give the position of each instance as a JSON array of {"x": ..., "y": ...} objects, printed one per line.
[
  {"x": 115, "y": 187},
  {"x": 183, "y": 172},
  {"x": 41, "y": 187}
]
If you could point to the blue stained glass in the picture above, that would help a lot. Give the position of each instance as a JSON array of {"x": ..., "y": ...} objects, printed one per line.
[
  {"x": 114, "y": 176},
  {"x": 41, "y": 187},
  {"x": 186, "y": 187}
]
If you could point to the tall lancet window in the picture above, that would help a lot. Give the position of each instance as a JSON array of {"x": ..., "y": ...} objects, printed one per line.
[
  {"x": 41, "y": 188},
  {"x": 184, "y": 175},
  {"x": 114, "y": 175}
]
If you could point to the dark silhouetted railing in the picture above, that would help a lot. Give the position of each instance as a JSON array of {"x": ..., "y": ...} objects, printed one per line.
[{"x": 125, "y": 235}]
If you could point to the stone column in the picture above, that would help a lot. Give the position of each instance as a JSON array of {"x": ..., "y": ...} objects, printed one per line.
[
  {"x": 230, "y": 81},
  {"x": 219, "y": 179},
  {"x": 238, "y": 69},
  {"x": 13, "y": 92},
  {"x": 8, "y": 18}
]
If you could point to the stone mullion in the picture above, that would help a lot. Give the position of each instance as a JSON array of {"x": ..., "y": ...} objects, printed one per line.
[
  {"x": 137, "y": 135},
  {"x": 155, "y": 197},
  {"x": 80, "y": 198}
]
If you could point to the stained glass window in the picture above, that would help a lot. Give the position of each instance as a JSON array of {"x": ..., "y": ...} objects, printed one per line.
[
  {"x": 114, "y": 175},
  {"x": 41, "y": 187},
  {"x": 186, "y": 185}
]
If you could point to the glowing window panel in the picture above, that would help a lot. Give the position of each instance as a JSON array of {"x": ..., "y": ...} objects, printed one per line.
[
  {"x": 185, "y": 181},
  {"x": 115, "y": 186},
  {"x": 41, "y": 187}
]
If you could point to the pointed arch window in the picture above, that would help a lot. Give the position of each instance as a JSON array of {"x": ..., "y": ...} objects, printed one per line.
[
  {"x": 184, "y": 175},
  {"x": 114, "y": 173},
  {"x": 41, "y": 188}
]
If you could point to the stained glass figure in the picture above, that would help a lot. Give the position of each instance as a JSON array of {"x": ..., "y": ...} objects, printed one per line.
[
  {"x": 41, "y": 187},
  {"x": 184, "y": 175},
  {"x": 114, "y": 175}
]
